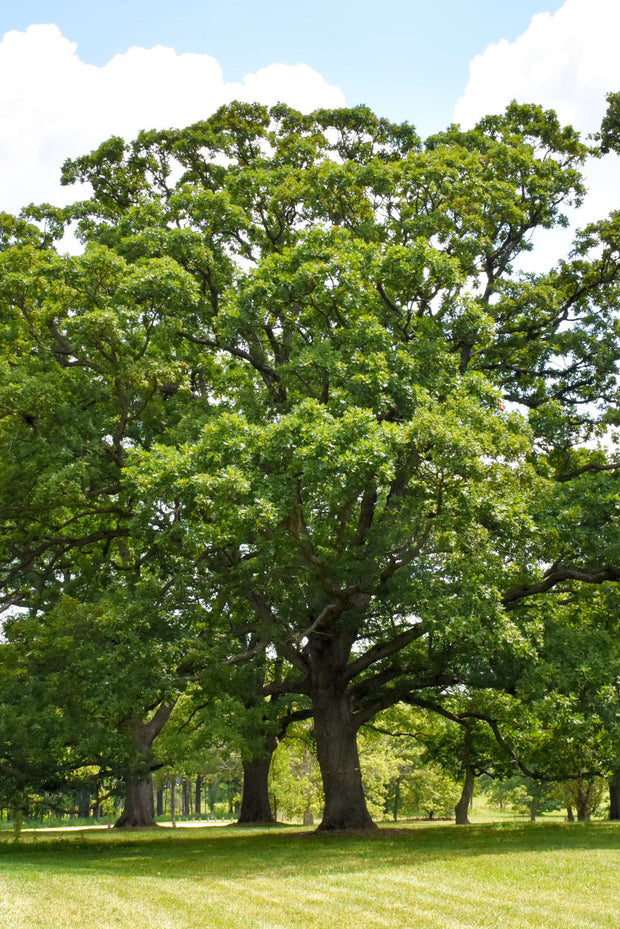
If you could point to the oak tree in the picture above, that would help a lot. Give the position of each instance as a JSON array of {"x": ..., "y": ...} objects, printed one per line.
[{"x": 383, "y": 464}]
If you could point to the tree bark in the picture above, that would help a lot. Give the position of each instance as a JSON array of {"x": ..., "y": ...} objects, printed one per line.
[
  {"x": 255, "y": 804},
  {"x": 583, "y": 800},
  {"x": 185, "y": 803},
  {"x": 173, "y": 801},
  {"x": 198, "y": 795},
  {"x": 461, "y": 808},
  {"x": 396, "y": 799},
  {"x": 335, "y": 731},
  {"x": 139, "y": 809},
  {"x": 614, "y": 797},
  {"x": 84, "y": 804},
  {"x": 211, "y": 797},
  {"x": 139, "y": 806}
]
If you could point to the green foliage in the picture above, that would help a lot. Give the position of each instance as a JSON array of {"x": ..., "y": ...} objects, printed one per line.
[
  {"x": 295, "y": 779},
  {"x": 293, "y": 405},
  {"x": 73, "y": 684},
  {"x": 609, "y": 135},
  {"x": 400, "y": 779},
  {"x": 522, "y": 794}
]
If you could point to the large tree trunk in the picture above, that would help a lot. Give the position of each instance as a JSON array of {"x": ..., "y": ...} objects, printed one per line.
[
  {"x": 260, "y": 744},
  {"x": 139, "y": 809},
  {"x": 461, "y": 808},
  {"x": 84, "y": 804},
  {"x": 255, "y": 805},
  {"x": 614, "y": 797},
  {"x": 139, "y": 806},
  {"x": 335, "y": 731}
]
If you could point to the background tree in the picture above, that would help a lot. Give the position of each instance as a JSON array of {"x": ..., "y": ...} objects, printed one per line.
[
  {"x": 85, "y": 374},
  {"x": 89, "y": 695},
  {"x": 410, "y": 782},
  {"x": 295, "y": 781},
  {"x": 566, "y": 724},
  {"x": 452, "y": 736}
]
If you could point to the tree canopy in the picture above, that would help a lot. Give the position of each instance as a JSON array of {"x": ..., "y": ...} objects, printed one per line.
[{"x": 296, "y": 400}]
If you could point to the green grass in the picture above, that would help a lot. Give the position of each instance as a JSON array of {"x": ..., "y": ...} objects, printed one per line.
[{"x": 509, "y": 876}]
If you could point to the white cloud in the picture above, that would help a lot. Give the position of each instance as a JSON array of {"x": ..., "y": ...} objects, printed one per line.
[
  {"x": 304, "y": 88},
  {"x": 567, "y": 61},
  {"x": 54, "y": 106}
]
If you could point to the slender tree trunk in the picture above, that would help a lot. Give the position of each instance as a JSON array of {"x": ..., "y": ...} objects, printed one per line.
[
  {"x": 335, "y": 731},
  {"x": 173, "y": 801},
  {"x": 255, "y": 805},
  {"x": 185, "y": 805},
  {"x": 570, "y": 816},
  {"x": 198, "y": 795},
  {"x": 211, "y": 794},
  {"x": 396, "y": 799},
  {"x": 308, "y": 817},
  {"x": 160, "y": 801},
  {"x": 614, "y": 796},
  {"x": 533, "y": 808},
  {"x": 461, "y": 808}
]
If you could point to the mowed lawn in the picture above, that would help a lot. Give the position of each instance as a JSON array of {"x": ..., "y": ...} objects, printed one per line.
[{"x": 511, "y": 876}]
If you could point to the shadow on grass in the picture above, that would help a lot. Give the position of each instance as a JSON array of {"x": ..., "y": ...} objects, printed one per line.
[{"x": 224, "y": 853}]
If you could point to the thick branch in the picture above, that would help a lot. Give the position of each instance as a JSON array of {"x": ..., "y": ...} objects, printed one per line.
[
  {"x": 384, "y": 650},
  {"x": 589, "y": 467},
  {"x": 265, "y": 613},
  {"x": 555, "y": 576}
]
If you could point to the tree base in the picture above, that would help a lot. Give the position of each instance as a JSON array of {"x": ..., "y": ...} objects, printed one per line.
[
  {"x": 139, "y": 810},
  {"x": 352, "y": 825},
  {"x": 256, "y": 822}
]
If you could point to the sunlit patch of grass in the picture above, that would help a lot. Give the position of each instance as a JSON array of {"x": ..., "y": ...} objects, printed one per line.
[{"x": 510, "y": 876}]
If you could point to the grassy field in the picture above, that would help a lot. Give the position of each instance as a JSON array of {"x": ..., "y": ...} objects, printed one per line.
[{"x": 509, "y": 876}]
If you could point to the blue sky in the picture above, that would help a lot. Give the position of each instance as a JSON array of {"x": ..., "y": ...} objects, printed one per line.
[
  {"x": 407, "y": 60},
  {"x": 72, "y": 73}
]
